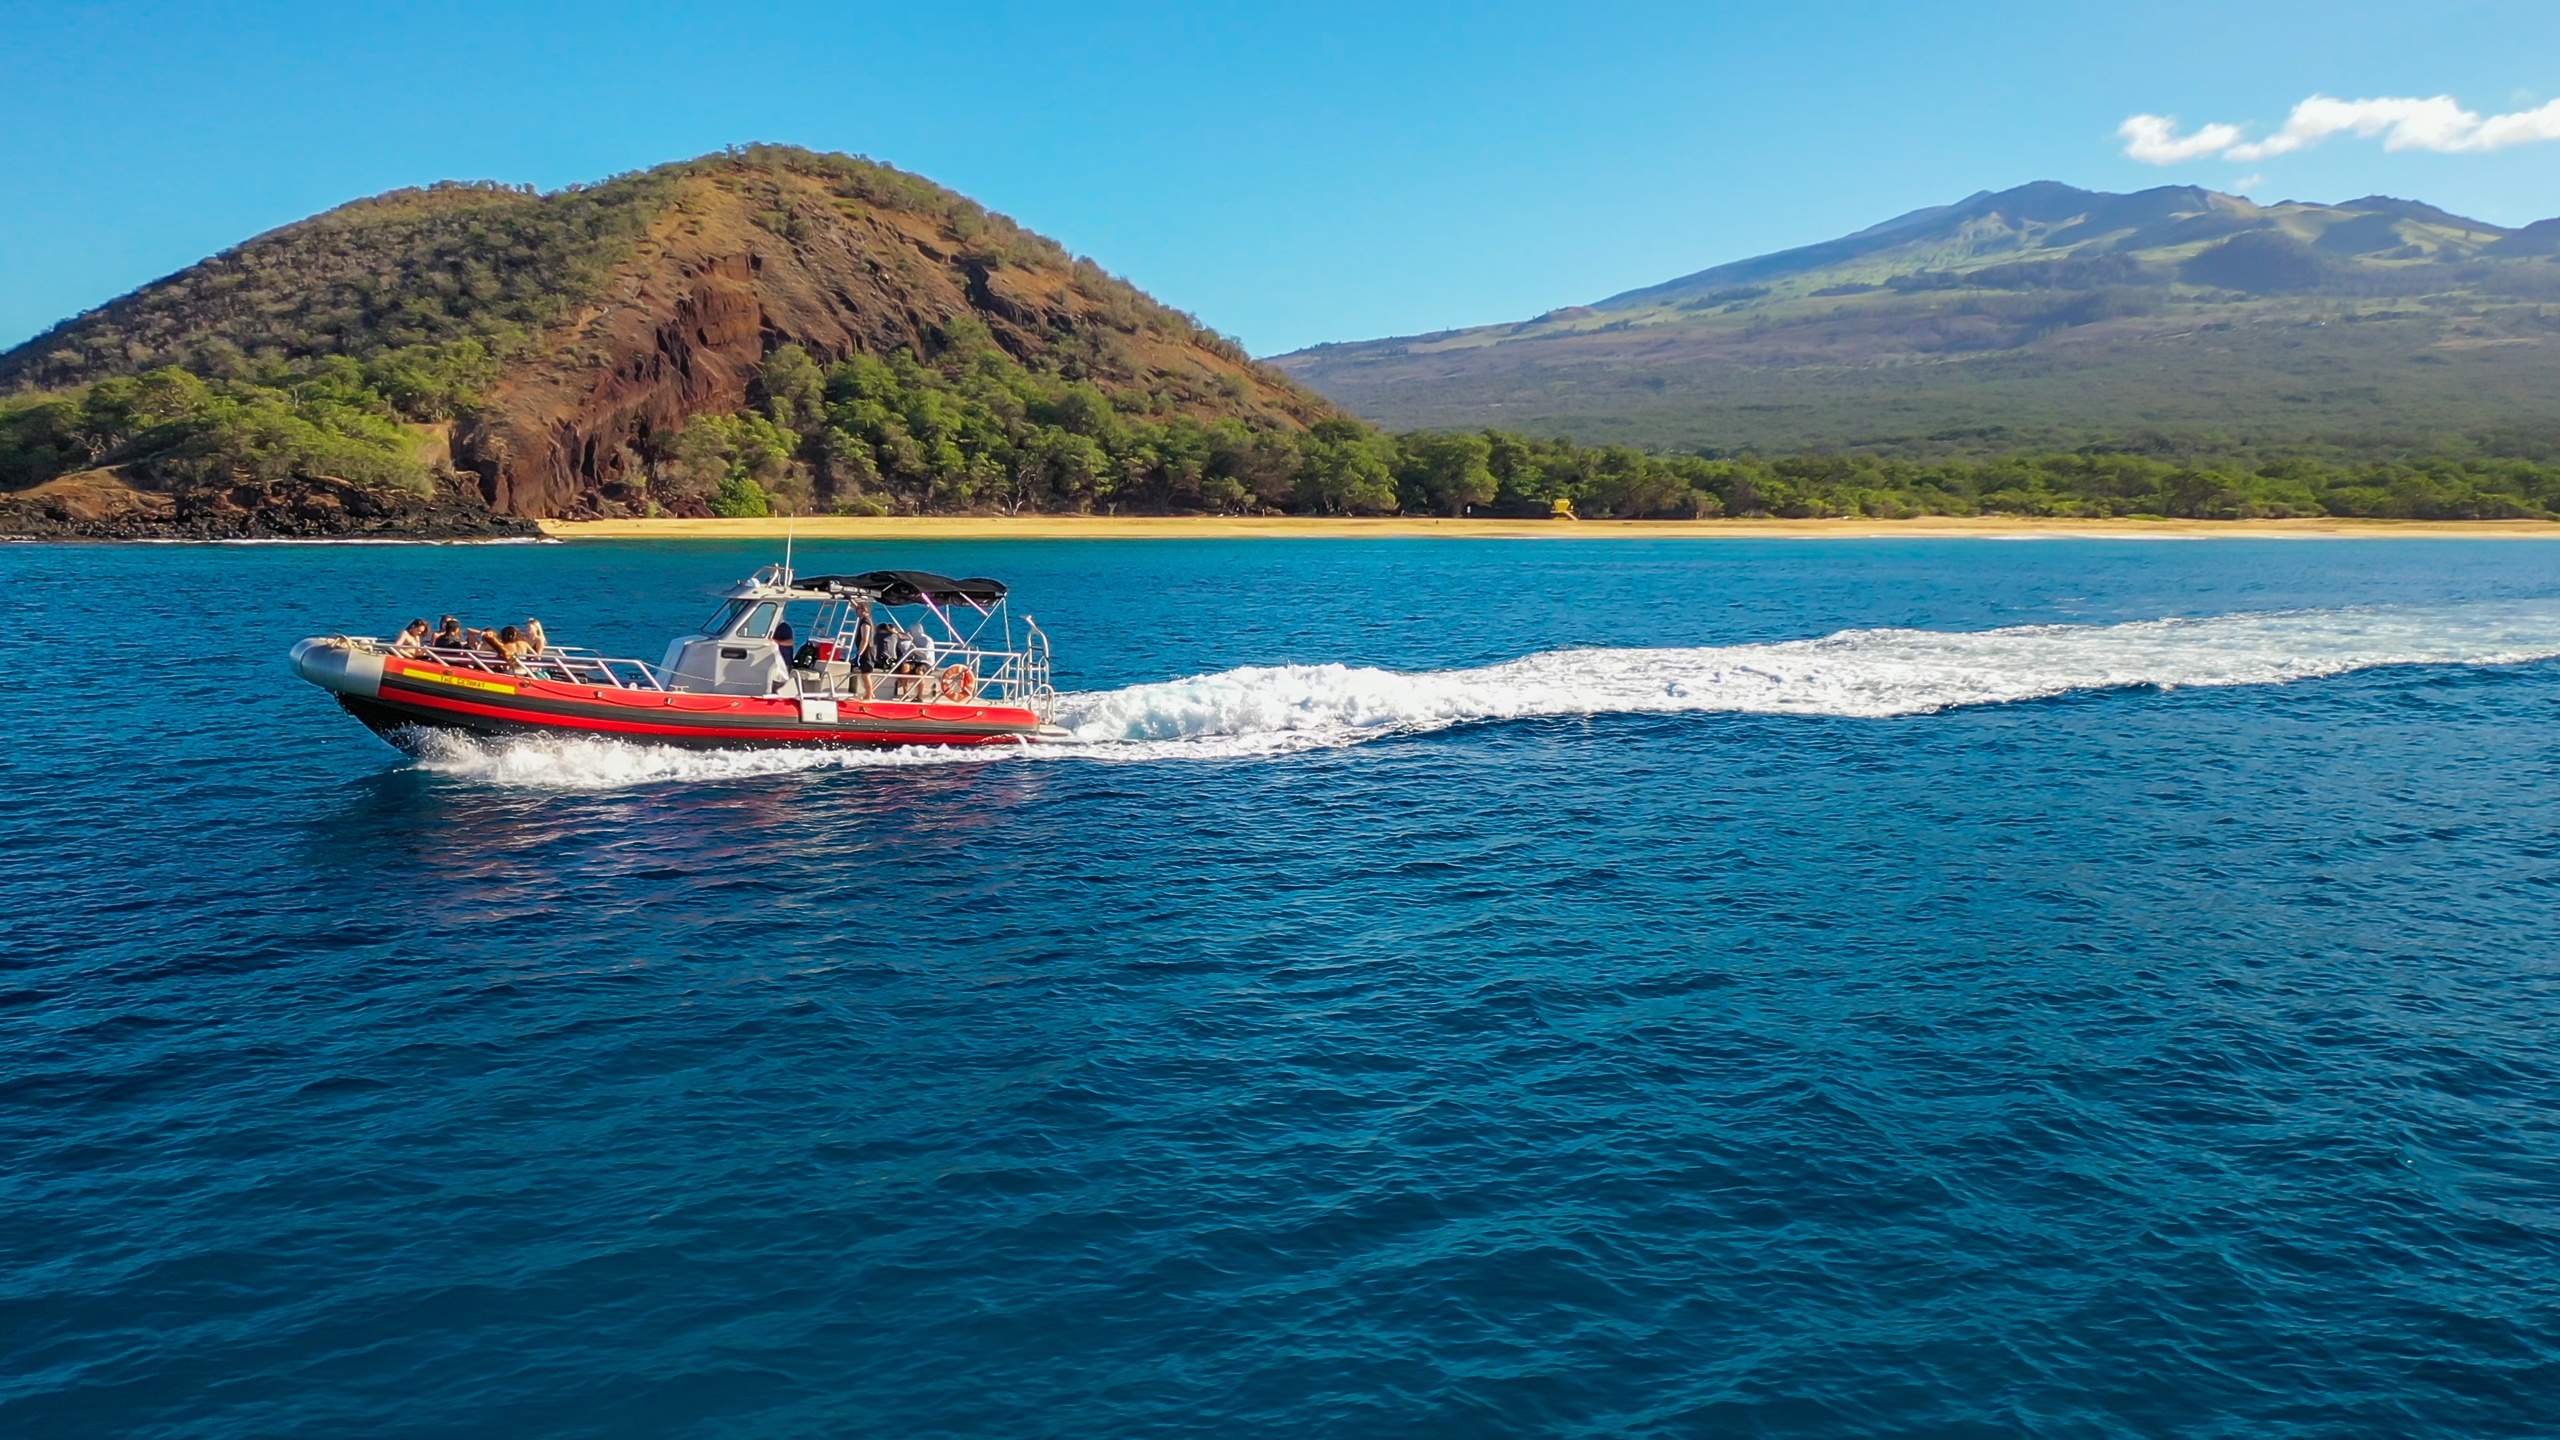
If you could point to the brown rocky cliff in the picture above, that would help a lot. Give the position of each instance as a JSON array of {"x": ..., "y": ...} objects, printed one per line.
[{"x": 745, "y": 262}]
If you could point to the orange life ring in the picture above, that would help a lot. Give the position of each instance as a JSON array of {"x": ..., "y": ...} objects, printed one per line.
[{"x": 959, "y": 682}]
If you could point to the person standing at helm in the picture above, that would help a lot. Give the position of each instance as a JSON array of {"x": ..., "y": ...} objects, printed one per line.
[{"x": 865, "y": 635}]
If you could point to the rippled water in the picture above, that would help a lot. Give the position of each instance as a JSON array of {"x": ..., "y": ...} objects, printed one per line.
[{"x": 1560, "y": 988}]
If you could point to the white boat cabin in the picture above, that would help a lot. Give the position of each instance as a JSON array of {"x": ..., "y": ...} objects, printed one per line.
[{"x": 885, "y": 635}]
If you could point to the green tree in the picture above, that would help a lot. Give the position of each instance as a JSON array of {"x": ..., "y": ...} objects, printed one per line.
[
  {"x": 1445, "y": 473},
  {"x": 1345, "y": 468},
  {"x": 1525, "y": 469},
  {"x": 739, "y": 498},
  {"x": 793, "y": 390},
  {"x": 728, "y": 464},
  {"x": 1628, "y": 483},
  {"x": 847, "y": 469}
]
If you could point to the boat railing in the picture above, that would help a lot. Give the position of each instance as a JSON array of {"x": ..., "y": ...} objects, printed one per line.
[
  {"x": 1012, "y": 677},
  {"x": 574, "y": 664},
  {"x": 1043, "y": 697},
  {"x": 580, "y": 666},
  {"x": 1002, "y": 676}
]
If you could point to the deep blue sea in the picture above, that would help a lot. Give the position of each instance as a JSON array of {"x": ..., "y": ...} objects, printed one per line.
[{"x": 1448, "y": 988}]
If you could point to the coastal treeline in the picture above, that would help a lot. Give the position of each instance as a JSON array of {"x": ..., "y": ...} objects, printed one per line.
[
  {"x": 1616, "y": 481},
  {"x": 973, "y": 429}
]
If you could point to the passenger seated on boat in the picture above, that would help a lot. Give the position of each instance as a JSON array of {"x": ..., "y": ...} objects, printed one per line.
[
  {"x": 889, "y": 646},
  {"x": 451, "y": 636},
  {"x": 897, "y": 652},
  {"x": 412, "y": 640},
  {"x": 512, "y": 647},
  {"x": 783, "y": 635},
  {"x": 537, "y": 648},
  {"x": 888, "y": 656}
]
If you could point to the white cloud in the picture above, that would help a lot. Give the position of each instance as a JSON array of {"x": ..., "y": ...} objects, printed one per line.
[
  {"x": 2402, "y": 123},
  {"x": 2154, "y": 139}
]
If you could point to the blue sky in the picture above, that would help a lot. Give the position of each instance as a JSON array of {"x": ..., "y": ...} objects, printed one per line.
[{"x": 1290, "y": 173}]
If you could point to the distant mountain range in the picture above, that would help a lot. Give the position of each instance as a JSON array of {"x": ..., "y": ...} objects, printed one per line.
[{"x": 2040, "y": 316}]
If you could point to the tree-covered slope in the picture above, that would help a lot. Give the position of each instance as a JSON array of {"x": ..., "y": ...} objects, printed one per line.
[
  {"x": 2177, "y": 319},
  {"x": 447, "y": 263},
  {"x": 554, "y": 352}
]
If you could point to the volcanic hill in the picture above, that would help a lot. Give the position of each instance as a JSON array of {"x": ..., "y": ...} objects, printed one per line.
[
  {"x": 2039, "y": 317},
  {"x": 535, "y": 355}
]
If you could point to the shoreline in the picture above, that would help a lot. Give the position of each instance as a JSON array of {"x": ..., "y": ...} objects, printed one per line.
[{"x": 1302, "y": 527}]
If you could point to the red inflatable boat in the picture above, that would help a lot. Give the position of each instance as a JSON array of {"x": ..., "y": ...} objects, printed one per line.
[{"x": 892, "y": 657}]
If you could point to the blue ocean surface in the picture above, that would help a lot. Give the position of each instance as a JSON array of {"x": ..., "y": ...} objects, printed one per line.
[{"x": 1559, "y": 988}]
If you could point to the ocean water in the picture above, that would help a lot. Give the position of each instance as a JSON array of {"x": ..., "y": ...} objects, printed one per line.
[{"x": 2080, "y": 988}]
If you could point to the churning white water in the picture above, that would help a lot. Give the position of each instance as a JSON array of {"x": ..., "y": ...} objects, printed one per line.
[{"x": 1265, "y": 710}]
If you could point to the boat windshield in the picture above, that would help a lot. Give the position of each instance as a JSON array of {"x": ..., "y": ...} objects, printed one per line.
[{"x": 757, "y": 626}]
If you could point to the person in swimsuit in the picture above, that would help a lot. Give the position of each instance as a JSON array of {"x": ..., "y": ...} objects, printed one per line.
[{"x": 510, "y": 646}]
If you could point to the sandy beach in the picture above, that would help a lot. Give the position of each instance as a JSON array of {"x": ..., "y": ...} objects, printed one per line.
[{"x": 1095, "y": 527}]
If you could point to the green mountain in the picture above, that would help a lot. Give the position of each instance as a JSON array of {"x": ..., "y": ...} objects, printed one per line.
[
  {"x": 2045, "y": 317},
  {"x": 762, "y": 328}
]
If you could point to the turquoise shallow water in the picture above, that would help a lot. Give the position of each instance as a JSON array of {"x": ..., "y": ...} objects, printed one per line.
[{"x": 1451, "y": 988}]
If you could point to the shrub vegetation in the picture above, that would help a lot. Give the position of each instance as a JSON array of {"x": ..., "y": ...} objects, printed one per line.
[{"x": 972, "y": 429}]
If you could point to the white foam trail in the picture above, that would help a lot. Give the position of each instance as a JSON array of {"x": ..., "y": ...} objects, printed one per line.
[
  {"x": 1267, "y": 710},
  {"x": 1858, "y": 673},
  {"x": 585, "y": 763}
]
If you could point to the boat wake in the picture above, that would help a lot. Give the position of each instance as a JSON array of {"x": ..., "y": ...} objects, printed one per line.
[{"x": 1866, "y": 674}]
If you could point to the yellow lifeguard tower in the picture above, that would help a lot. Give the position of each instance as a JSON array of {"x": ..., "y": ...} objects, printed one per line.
[{"x": 1563, "y": 511}]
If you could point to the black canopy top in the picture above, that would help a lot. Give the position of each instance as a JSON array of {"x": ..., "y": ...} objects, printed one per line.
[{"x": 906, "y": 587}]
